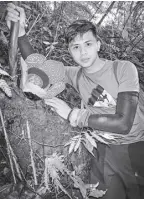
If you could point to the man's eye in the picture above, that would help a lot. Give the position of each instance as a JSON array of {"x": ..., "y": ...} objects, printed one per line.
[
  {"x": 75, "y": 47},
  {"x": 89, "y": 44}
]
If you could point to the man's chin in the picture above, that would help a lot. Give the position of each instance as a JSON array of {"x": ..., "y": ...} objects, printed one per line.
[{"x": 85, "y": 65}]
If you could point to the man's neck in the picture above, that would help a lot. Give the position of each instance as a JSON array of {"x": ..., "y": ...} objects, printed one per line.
[{"x": 97, "y": 66}]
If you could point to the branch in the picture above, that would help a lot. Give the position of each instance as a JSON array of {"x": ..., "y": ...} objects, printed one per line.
[
  {"x": 107, "y": 11},
  {"x": 8, "y": 147},
  {"x": 93, "y": 16},
  {"x": 131, "y": 10},
  {"x": 31, "y": 154}
]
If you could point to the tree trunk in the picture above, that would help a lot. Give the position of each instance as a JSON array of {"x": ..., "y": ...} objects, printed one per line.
[{"x": 49, "y": 133}]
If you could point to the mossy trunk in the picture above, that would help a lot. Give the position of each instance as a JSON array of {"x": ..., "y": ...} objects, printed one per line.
[{"x": 49, "y": 133}]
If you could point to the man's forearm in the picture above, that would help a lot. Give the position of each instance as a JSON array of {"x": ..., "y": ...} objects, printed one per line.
[
  {"x": 120, "y": 122},
  {"x": 25, "y": 46}
]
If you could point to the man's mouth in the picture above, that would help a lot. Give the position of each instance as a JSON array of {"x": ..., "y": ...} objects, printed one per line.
[{"x": 85, "y": 60}]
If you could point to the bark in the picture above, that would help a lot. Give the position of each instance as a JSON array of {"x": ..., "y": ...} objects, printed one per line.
[{"x": 49, "y": 133}]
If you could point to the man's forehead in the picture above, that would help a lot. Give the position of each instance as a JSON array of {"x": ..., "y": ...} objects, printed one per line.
[{"x": 83, "y": 38}]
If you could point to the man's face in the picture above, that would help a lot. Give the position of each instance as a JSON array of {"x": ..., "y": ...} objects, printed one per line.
[{"x": 84, "y": 49}]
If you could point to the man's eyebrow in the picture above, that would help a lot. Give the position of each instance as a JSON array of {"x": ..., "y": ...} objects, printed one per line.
[
  {"x": 74, "y": 44},
  {"x": 88, "y": 41}
]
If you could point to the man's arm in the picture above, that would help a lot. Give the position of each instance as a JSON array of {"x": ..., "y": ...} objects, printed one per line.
[
  {"x": 25, "y": 46},
  {"x": 15, "y": 14},
  {"x": 120, "y": 122}
]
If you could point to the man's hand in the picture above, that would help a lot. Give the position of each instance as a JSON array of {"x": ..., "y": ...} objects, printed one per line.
[
  {"x": 60, "y": 106},
  {"x": 15, "y": 14}
]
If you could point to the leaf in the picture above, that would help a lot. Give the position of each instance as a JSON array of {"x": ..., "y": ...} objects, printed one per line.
[
  {"x": 68, "y": 143},
  {"x": 3, "y": 38},
  {"x": 108, "y": 136},
  {"x": 45, "y": 28},
  {"x": 91, "y": 140},
  {"x": 48, "y": 30},
  {"x": 46, "y": 42},
  {"x": 75, "y": 137},
  {"x": 2, "y": 72},
  {"x": 88, "y": 146},
  {"x": 78, "y": 183},
  {"x": 97, "y": 193},
  {"x": 71, "y": 147},
  {"x": 74, "y": 143},
  {"x": 78, "y": 169},
  {"x": 4, "y": 86},
  {"x": 54, "y": 43},
  {"x": 40, "y": 191},
  {"x": 92, "y": 186},
  {"x": 125, "y": 34},
  {"x": 53, "y": 166},
  {"x": 77, "y": 144},
  {"x": 98, "y": 138},
  {"x": 57, "y": 182}
]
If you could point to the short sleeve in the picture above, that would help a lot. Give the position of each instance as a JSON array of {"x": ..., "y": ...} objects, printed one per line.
[
  {"x": 127, "y": 75},
  {"x": 71, "y": 75}
]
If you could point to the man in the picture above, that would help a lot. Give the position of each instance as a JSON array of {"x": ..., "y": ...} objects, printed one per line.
[{"x": 110, "y": 107}]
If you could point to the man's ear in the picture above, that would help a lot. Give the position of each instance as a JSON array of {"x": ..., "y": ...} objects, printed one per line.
[
  {"x": 98, "y": 45},
  {"x": 69, "y": 51}
]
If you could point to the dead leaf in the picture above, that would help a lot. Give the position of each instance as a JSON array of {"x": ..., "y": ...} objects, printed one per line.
[
  {"x": 125, "y": 34},
  {"x": 97, "y": 193}
]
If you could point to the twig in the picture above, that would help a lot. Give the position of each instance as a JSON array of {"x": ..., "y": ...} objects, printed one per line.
[
  {"x": 15, "y": 163},
  {"x": 4, "y": 187},
  {"x": 42, "y": 14},
  {"x": 55, "y": 38},
  {"x": 8, "y": 147},
  {"x": 31, "y": 154},
  {"x": 42, "y": 144},
  {"x": 12, "y": 156},
  {"x": 33, "y": 24}
]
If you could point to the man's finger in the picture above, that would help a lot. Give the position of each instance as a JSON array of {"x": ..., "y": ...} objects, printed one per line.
[
  {"x": 12, "y": 17},
  {"x": 15, "y": 13},
  {"x": 11, "y": 5},
  {"x": 8, "y": 23},
  {"x": 11, "y": 10}
]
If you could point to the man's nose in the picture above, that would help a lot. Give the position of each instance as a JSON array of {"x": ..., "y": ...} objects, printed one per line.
[{"x": 83, "y": 51}]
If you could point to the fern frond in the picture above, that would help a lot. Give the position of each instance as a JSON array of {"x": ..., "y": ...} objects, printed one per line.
[
  {"x": 2, "y": 72},
  {"x": 6, "y": 89},
  {"x": 53, "y": 167}
]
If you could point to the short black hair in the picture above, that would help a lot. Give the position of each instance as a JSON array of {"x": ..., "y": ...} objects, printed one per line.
[{"x": 79, "y": 27}]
